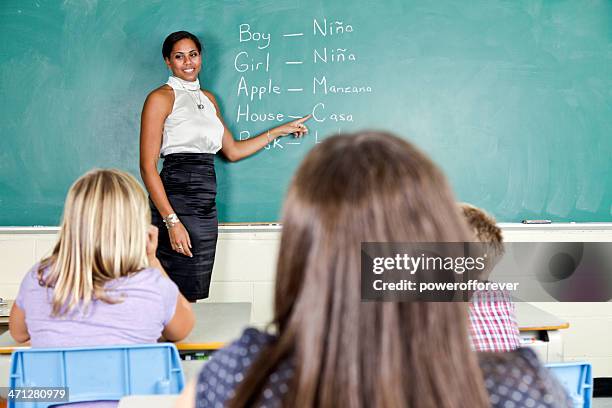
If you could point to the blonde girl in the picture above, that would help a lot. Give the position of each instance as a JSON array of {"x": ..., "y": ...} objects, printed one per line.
[{"x": 102, "y": 283}]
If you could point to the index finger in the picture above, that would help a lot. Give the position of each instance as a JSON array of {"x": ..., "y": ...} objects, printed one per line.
[
  {"x": 188, "y": 251},
  {"x": 304, "y": 119}
]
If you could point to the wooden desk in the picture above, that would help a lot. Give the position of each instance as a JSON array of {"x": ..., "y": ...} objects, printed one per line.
[
  {"x": 219, "y": 323},
  {"x": 531, "y": 318},
  {"x": 5, "y": 309},
  {"x": 216, "y": 324},
  {"x": 541, "y": 332}
]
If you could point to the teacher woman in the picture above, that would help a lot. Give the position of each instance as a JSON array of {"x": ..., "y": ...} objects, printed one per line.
[{"x": 182, "y": 123}]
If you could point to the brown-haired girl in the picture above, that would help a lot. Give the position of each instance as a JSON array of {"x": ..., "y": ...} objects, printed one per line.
[{"x": 330, "y": 349}]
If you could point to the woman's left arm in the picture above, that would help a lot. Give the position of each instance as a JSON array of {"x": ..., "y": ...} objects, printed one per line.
[{"x": 236, "y": 150}]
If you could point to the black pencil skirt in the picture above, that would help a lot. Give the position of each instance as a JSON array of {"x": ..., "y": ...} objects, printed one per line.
[{"x": 191, "y": 186}]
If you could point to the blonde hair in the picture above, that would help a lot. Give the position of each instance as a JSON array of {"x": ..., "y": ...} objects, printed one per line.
[{"x": 103, "y": 236}]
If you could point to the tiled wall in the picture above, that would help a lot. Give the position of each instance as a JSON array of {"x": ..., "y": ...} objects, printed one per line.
[{"x": 244, "y": 272}]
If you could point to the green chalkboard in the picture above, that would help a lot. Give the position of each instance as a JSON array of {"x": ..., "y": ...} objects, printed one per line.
[{"x": 512, "y": 98}]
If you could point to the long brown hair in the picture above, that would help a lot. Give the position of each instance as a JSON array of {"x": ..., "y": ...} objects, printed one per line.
[{"x": 375, "y": 187}]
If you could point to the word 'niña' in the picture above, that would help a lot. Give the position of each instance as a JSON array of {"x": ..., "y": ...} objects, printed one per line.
[{"x": 335, "y": 55}]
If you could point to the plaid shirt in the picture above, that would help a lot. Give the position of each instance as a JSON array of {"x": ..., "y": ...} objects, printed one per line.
[{"x": 493, "y": 325}]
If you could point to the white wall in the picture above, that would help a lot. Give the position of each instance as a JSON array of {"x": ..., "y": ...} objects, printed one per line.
[{"x": 244, "y": 272}]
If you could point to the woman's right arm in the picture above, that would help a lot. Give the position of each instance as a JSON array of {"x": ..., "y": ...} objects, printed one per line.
[
  {"x": 156, "y": 109},
  {"x": 17, "y": 325}
]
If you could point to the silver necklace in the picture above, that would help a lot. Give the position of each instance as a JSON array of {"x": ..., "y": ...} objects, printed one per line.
[{"x": 198, "y": 103}]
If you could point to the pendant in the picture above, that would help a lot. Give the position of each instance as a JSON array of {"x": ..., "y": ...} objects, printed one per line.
[{"x": 200, "y": 107}]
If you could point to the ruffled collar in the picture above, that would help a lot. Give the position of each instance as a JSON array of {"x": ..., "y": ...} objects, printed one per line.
[{"x": 181, "y": 84}]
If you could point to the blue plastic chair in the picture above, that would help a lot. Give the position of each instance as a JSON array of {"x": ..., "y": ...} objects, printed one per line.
[
  {"x": 577, "y": 379},
  {"x": 98, "y": 373}
]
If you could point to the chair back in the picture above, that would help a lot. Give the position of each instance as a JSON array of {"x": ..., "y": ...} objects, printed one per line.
[
  {"x": 577, "y": 379},
  {"x": 98, "y": 373}
]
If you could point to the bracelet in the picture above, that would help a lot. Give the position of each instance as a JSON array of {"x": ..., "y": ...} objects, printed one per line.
[
  {"x": 268, "y": 136},
  {"x": 171, "y": 220}
]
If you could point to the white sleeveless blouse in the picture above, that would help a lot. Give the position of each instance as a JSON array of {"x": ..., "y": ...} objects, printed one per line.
[{"x": 189, "y": 129}]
